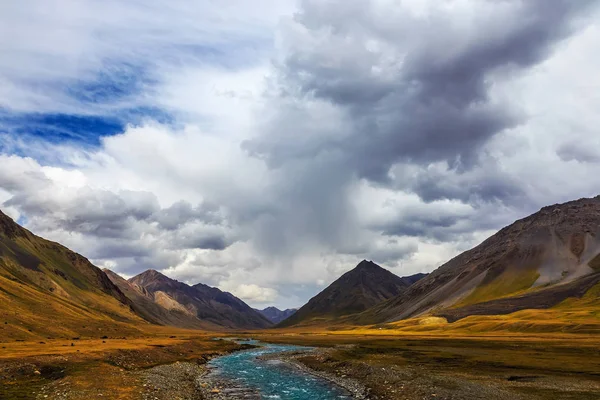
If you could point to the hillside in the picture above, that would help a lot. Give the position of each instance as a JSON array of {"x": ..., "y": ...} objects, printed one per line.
[
  {"x": 275, "y": 315},
  {"x": 535, "y": 263},
  {"x": 48, "y": 290},
  {"x": 157, "y": 308},
  {"x": 357, "y": 290},
  {"x": 208, "y": 304}
]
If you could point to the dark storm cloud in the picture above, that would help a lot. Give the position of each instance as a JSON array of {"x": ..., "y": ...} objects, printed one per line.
[
  {"x": 100, "y": 213},
  {"x": 441, "y": 227},
  {"x": 485, "y": 182},
  {"x": 115, "y": 249},
  {"x": 430, "y": 99},
  {"x": 201, "y": 241},
  {"x": 363, "y": 87},
  {"x": 441, "y": 109},
  {"x": 182, "y": 212}
]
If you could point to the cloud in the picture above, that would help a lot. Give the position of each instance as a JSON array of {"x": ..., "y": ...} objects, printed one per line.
[
  {"x": 415, "y": 87},
  {"x": 578, "y": 152},
  {"x": 256, "y": 294},
  {"x": 377, "y": 93},
  {"x": 266, "y": 148}
]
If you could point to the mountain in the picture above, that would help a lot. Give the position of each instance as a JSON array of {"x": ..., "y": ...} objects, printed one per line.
[
  {"x": 157, "y": 308},
  {"x": 208, "y": 304},
  {"x": 357, "y": 290},
  {"x": 535, "y": 263},
  {"x": 275, "y": 315},
  {"x": 48, "y": 290}
]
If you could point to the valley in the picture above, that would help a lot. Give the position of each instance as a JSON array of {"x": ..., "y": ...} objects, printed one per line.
[{"x": 517, "y": 317}]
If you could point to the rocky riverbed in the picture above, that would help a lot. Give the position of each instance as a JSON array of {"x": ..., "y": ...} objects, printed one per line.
[
  {"x": 192, "y": 381},
  {"x": 355, "y": 388}
]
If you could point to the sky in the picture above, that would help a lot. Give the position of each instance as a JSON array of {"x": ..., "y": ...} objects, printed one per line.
[{"x": 266, "y": 147}]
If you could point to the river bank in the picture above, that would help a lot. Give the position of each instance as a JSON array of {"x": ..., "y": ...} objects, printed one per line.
[
  {"x": 433, "y": 368},
  {"x": 108, "y": 368},
  {"x": 394, "y": 367},
  {"x": 184, "y": 380}
]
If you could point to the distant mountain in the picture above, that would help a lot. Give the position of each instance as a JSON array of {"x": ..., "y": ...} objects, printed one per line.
[
  {"x": 208, "y": 304},
  {"x": 157, "y": 308},
  {"x": 48, "y": 290},
  {"x": 275, "y": 315},
  {"x": 363, "y": 287},
  {"x": 537, "y": 262}
]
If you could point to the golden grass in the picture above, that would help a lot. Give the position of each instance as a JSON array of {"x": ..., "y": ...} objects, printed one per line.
[
  {"x": 572, "y": 317},
  {"x": 30, "y": 313},
  {"x": 91, "y": 367},
  {"x": 511, "y": 282}
]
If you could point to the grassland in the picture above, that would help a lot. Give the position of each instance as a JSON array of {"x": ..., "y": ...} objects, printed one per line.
[
  {"x": 97, "y": 368},
  {"x": 393, "y": 364},
  {"x": 512, "y": 281},
  {"x": 531, "y": 354},
  {"x": 486, "y": 367}
]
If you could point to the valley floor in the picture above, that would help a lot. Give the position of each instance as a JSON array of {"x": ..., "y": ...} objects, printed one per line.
[
  {"x": 390, "y": 367},
  {"x": 487, "y": 367}
]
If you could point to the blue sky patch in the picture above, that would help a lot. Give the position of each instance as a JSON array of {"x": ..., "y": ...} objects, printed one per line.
[{"x": 60, "y": 128}]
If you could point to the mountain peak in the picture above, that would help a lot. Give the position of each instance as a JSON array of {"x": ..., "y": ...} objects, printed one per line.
[
  {"x": 355, "y": 291},
  {"x": 208, "y": 303},
  {"x": 367, "y": 265},
  {"x": 149, "y": 274}
]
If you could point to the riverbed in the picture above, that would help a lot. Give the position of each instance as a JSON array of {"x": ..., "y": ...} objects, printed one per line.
[{"x": 252, "y": 373}]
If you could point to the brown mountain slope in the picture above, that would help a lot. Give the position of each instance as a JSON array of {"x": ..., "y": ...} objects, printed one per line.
[
  {"x": 48, "y": 290},
  {"x": 208, "y": 304},
  {"x": 365, "y": 286},
  {"x": 157, "y": 308},
  {"x": 536, "y": 262}
]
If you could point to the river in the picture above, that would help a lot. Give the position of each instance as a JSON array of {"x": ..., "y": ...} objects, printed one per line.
[{"x": 274, "y": 379}]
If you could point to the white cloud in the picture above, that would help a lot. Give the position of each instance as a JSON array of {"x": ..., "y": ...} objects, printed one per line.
[
  {"x": 254, "y": 293},
  {"x": 169, "y": 196}
]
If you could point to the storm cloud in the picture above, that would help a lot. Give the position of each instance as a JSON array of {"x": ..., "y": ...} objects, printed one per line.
[
  {"x": 266, "y": 149},
  {"x": 399, "y": 98}
]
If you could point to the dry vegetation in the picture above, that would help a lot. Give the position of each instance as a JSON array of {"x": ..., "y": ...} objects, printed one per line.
[
  {"x": 529, "y": 355},
  {"x": 487, "y": 367},
  {"x": 97, "y": 368}
]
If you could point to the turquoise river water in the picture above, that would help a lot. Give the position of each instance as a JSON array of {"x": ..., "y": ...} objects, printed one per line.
[{"x": 272, "y": 378}]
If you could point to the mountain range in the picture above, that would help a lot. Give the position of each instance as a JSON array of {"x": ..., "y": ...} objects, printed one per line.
[
  {"x": 275, "y": 315},
  {"x": 550, "y": 259},
  {"x": 48, "y": 290},
  {"x": 207, "y": 304},
  {"x": 535, "y": 263}
]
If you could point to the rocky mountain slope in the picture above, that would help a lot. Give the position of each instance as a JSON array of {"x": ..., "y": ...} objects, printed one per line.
[
  {"x": 51, "y": 291},
  {"x": 275, "y": 315},
  {"x": 157, "y": 308},
  {"x": 537, "y": 262},
  {"x": 209, "y": 305},
  {"x": 357, "y": 290}
]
